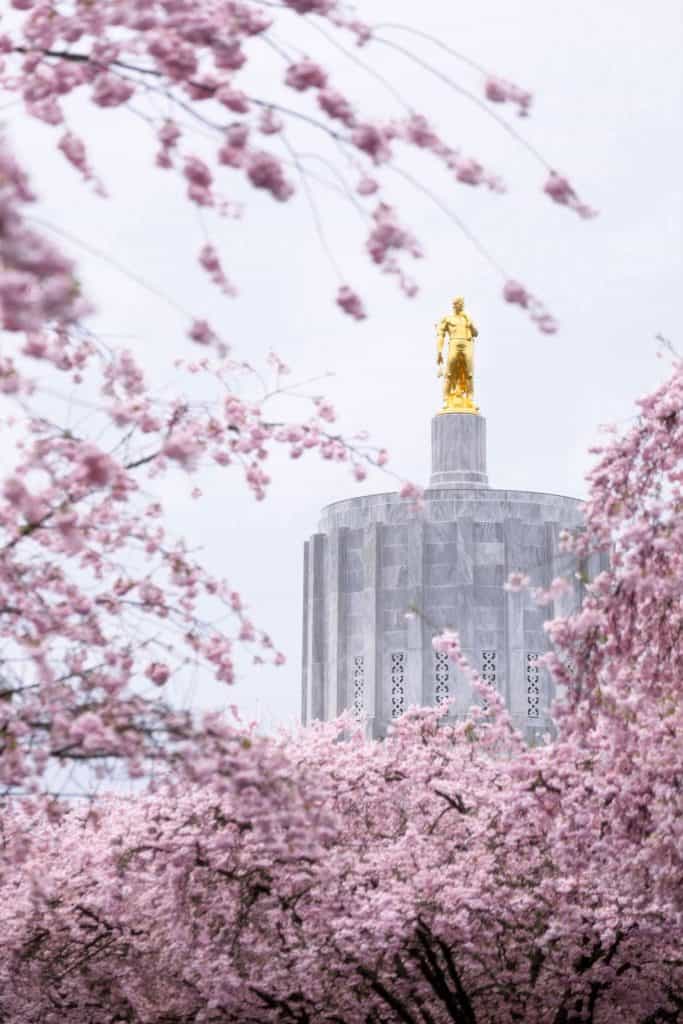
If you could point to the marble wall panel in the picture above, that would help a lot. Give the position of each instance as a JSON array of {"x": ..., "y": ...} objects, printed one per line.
[
  {"x": 534, "y": 619},
  {"x": 488, "y": 597},
  {"x": 490, "y": 640},
  {"x": 398, "y": 600},
  {"x": 396, "y": 515},
  {"x": 461, "y": 689},
  {"x": 487, "y": 532},
  {"x": 394, "y": 576},
  {"x": 371, "y": 613},
  {"x": 395, "y": 535},
  {"x": 441, "y": 533},
  {"x": 393, "y": 619},
  {"x": 458, "y": 605},
  {"x": 489, "y": 576},
  {"x": 305, "y": 653},
  {"x": 530, "y": 512},
  {"x": 440, "y": 617},
  {"x": 442, "y": 511},
  {"x": 354, "y": 623},
  {"x": 441, "y": 574},
  {"x": 491, "y": 616},
  {"x": 437, "y": 597},
  {"x": 334, "y": 623},
  {"x": 317, "y": 654},
  {"x": 352, "y": 581},
  {"x": 394, "y": 553},
  {"x": 535, "y": 641},
  {"x": 438, "y": 553},
  {"x": 414, "y": 623},
  {"x": 489, "y": 552}
]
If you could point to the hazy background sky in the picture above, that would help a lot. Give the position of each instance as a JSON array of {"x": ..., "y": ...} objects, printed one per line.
[{"x": 607, "y": 91}]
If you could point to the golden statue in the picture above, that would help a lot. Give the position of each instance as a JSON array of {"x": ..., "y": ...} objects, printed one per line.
[{"x": 457, "y": 369}]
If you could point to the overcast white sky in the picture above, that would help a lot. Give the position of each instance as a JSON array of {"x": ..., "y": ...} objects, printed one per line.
[{"x": 607, "y": 91}]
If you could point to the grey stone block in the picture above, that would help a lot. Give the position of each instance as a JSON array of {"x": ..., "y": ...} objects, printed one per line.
[
  {"x": 394, "y": 576},
  {"x": 487, "y": 532},
  {"x": 489, "y": 575},
  {"x": 437, "y": 554},
  {"x": 441, "y": 574},
  {"x": 489, "y": 552}
]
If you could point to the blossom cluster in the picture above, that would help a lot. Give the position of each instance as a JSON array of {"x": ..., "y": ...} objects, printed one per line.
[
  {"x": 118, "y": 52},
  {"x": 37, "y": 283},
  {"x": 91, "y": 577},
  {"x": 448, "y": 873}
]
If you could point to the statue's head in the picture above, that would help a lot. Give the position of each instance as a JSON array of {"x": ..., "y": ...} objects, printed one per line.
[{"x": 458, "y": 304}]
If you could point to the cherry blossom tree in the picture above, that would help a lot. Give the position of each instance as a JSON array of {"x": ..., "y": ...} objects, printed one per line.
[
  {"x": 448, "y": 873},
  {"x": 195, "y": 58},
  {"x": 102, "y": 611}
]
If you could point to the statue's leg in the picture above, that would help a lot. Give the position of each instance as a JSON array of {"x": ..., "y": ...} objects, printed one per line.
[
  {"x": 460, "y": 373},
  {"x": 469, "y": 372},
  {"x": 447, "y": 382}
]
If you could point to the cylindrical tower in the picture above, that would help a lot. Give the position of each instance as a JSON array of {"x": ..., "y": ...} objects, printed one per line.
[{"x": 382, "y": 578}]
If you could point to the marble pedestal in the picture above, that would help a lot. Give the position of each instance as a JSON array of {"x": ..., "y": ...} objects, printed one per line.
[{"x": 458, "y": 450}]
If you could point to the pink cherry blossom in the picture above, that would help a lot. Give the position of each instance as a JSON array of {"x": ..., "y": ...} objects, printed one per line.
[
  {"x": 517, "y": 294},
  {"x": 110, "y": 90},
  {"x": 229, "y": 54},
  {"x": 351, "y": 302},
  {"x": 373, "y": 140},
  {"x": 411, "y": 490},
  {"x": 199, "y": 179},
  {"x": 96, "y": 468},
  {"x": 499, "y": 91},
  {"x": 265, "y": 172},
  {"x": 183, "y": 447},
  {"x": 560, "y": 191},
  {"x": 269, "y": 122},
  {"x": 74, "y": 150},
  {"x": 210, "y": 261},
  {"x": 367, "y": 186},
  {"x": 517, "y": 581},
  {"x": 311, "y": 6},
  {"x": 305, "y": 74},
  {"x": 233, "y": 99},
  {"x": 158, "y": 673},
  {"x": 388, "y": 235},
  {"x": 336, "y": 106},
  {"x": 202, "y": 333},
  {"x": 325, "y": 410}
]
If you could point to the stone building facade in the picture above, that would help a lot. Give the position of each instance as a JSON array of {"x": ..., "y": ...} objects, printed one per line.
[{"x": 381, "y": 578}]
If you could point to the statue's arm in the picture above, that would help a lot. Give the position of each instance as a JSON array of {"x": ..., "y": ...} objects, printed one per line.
[
  {"x": 440, "y": 338},
  {"x": 473, "y": 329}
]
